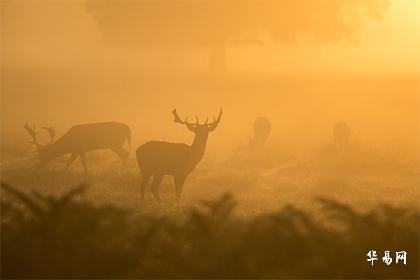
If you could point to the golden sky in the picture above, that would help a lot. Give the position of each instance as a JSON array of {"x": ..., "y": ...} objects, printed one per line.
[
  {"x": 64, "y": 34},
  {"x": 59, "y": 69}
]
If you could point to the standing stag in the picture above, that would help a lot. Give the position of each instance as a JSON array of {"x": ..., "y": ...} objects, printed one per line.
[
  {"x": 81, "y": 139},
  {"x": 158, "y": 158}
]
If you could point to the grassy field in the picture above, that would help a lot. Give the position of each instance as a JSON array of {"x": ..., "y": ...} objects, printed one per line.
[
  {"x": 266, "y": 215},
  {"x": 260, "y": 182}
]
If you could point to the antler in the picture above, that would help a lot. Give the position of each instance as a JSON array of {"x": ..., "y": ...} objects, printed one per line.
[
  {"x": 212, "y": 126},
  {"x": 51, "y": 132},
  {"x": 190, "y": 126},
  {"x": 178, "y": 119},
  {"x": 32, "y": 132}
]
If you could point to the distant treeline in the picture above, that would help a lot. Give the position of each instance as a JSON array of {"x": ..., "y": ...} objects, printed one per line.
[{"x": 68, "y": 237}]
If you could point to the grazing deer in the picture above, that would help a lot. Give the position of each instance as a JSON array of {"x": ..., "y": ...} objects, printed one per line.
[
  {"x": 81, "y": 139},
  {"x": 157, "y": 158},
  {"x": 262, "y": 127}
]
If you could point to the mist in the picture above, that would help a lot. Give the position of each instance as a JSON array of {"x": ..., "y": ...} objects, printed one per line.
[
  {"x": 57, "y": 65},
  {"x": 302, "y": 67}
]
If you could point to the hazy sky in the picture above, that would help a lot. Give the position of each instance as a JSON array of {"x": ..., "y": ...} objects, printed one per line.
[
  {"x": 64, "y": 34},
  {"x": 59, "y": 69}
]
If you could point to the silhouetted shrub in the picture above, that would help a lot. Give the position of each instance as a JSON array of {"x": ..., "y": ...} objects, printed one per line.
[{"x": 67, "y": 237}]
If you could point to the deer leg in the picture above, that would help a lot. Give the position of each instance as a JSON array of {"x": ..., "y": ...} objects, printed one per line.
[
  {"x": 143, "y": 184},
  {"x": 71, "y": 159},
  {"x": 155, "y": 186},
  {"x": 179, "y": 183},
  {"x": 83, "y": 160}
]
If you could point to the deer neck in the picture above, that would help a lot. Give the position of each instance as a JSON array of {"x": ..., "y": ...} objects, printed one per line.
[
  {"x": 198, "y": 148},
  {"x": 53, "y": 150}
]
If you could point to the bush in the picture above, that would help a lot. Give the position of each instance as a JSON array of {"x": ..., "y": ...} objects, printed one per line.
[{"x": 68, "y": 237}]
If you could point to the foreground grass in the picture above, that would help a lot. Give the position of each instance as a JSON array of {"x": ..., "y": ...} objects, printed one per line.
[{"x": 68, "y": 237}]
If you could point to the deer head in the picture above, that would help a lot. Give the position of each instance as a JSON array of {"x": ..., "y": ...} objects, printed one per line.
[
  {"x": 33, "y": 132},
  {"x": 197, "y": 128}
]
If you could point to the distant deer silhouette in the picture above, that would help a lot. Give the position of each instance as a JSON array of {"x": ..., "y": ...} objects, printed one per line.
[
  {"x": 81, "y": 139},
  {"x": 158, "y": 158},
  {"x": 262, "y": 127}
]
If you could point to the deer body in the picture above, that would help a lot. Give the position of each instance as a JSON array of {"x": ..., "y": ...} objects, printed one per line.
[
  {"x": 158, "y": 158},
  {"x": 171, "y": 158},
  {"x": 84, "y": 138}
]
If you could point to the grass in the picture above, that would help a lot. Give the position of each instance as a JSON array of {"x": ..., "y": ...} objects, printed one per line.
[{"x": 264, "y": 217}]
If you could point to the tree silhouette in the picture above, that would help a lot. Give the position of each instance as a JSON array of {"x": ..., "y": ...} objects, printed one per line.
[{"x": 216, "y": 24}]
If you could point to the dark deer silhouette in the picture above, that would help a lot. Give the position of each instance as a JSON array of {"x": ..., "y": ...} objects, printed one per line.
[
  {"x": 81, "y": 139},
  {"x": 262, "y": 127},
  {"x": 157, "y": 158}
]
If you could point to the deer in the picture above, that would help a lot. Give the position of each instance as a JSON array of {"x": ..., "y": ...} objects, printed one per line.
[
  {"x": 262, "y": 128},
  {"x": 80, "y": 139},
  {"x": 159, "y": 158}
]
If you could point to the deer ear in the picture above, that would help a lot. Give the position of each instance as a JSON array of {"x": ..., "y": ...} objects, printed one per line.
[
  {"x": 212, "y": 126},
  {"x": 191, "y": 127}
]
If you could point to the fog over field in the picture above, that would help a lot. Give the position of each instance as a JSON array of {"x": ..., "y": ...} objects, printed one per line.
[{"x": 320, "y": 103}]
